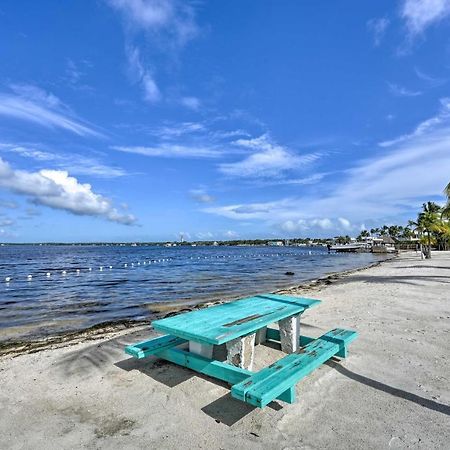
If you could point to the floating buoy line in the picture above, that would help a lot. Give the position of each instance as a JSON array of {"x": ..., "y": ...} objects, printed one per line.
[{"x": 149, "y": 262}]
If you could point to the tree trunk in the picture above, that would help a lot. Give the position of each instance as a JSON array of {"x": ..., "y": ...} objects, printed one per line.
[{"x": 429, "y": 245}]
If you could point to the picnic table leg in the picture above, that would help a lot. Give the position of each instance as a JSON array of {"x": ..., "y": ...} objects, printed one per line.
[
  {"x": 289, "y": 333},
  {"x": 205, "y": 350},
  {"x": 261, "y": 336},
  {"x": 240, "y": 351}
]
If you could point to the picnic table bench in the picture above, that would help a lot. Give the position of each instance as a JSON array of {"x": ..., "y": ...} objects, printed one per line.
[{"x": 241, "y": 325}]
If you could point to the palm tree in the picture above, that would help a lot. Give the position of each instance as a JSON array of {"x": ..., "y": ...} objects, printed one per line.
[
  {"x": 446, "y": 210},
  {"x": 418, "y": 228},
  {"x": 428, "y": 220}
]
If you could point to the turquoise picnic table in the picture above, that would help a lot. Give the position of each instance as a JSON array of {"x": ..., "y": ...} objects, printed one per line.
[{"x": 240, "y": 325}]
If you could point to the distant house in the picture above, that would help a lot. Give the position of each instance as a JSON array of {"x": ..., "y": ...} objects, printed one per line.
[
  {"x": 383, "y": 244},
  {"x": 275, "y": 243}
]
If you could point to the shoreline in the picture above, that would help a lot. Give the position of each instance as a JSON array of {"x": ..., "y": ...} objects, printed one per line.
[
  {"x": 107, "y": 329},
  {"x": 390, "y": 392}
]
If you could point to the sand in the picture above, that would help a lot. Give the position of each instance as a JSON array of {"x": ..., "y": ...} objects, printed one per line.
[{"x": 393, "y": 391}]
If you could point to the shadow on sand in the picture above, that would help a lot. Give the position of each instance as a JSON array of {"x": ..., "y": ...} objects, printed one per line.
[{"x": 426, "y": 403}]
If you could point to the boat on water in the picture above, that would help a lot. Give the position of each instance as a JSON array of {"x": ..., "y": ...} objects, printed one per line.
[
  {"x": 384, "y": 244},
  {"x": 359, "y": 247}
]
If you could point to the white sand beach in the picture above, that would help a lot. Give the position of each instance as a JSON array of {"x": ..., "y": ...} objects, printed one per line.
[{"x": 393, "y": 391}]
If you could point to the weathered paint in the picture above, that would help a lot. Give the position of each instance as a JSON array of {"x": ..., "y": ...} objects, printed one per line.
[
  {"x": 228, "y": 321},
  {"x": 289, "y": 333},
  {"x": 205, "y": 350},
  {"x": 240, "y": 351},
  {"x": 153, "y": 346},
  {"x": 264, "y": 386}
]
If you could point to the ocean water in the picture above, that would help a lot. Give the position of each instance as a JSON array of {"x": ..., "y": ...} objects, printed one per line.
[{"x": 144, "y": 279}]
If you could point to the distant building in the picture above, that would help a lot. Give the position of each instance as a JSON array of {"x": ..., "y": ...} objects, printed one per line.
[{"x": 275, "y": 243}]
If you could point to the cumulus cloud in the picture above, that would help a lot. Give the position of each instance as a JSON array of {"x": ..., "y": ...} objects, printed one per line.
[
  {"x": 56, "y": 189},
  {"x": 344, "y": 223},
  {"x": 268, "y": 159},
  {"x": 421, "y": 14},
  {"x": 32, "y": 104}
]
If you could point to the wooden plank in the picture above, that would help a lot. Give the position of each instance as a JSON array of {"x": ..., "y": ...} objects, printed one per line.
[
  {"x": 222, "y": 323},
  {"x": 153, "y": 346},
  {"x": 240, "y": 311},
  {"x": 262, "y": 387},
  {"x": 215, "y": 369}
]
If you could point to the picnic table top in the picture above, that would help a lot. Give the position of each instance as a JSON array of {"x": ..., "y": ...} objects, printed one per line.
[{"x": 222, "y": 323}]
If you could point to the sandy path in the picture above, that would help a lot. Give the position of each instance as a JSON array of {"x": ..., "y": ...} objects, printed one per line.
[{"x": 392, "y": 392}]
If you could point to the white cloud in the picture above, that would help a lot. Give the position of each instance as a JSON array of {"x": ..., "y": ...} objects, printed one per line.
[
  {"x": 431, "y": 81},
  {"x": 378, "y": 27},
  {"x": 168, "y": 132},
  {"x": 6, "y": 222},
  {"x": 74, "y": 163},
  {"x": 268, "y": 159},
  {"x": 420, "y": 14},
  {"x": 424, "y": 127},
  {"x": 345, "y": 223},
  {"x": 8, "y": 204},
  {"x": 401, "y": 91},
  {"x": 169, "y": 23},
  {"x": 204, "y": 236},
  {"x": 201, "y": 196},
  {"x": 33, "y": 104},
  {"x": 170, "y": 151},
  {"x": 56, "y": 189},
  {"x": 173, "y": 18},
  {"x": 412, "y": 169},
  {"x": 142, "y": 76},
  {"x": 191, "y": 102}
]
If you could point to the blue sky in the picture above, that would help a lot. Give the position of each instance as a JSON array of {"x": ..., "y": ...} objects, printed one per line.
[{"x": 140, "y": 120}]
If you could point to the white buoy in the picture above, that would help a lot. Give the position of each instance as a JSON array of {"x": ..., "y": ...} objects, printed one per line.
[
  {"x": 101, "y": 268},
  {"x": 48, "y": 274},
  {"x": 139, "y": 263},
  {"x": 110, "y": 267},
  {"x": 90, "y": 269},
  {"x": 78, "y": 271},
  {"x": 144, "y": 263},
  {"x": 63, "y": 272},
  {"x": 8, "y": 279},
  {"x": 125, "y": 265},
  {"x": 29, "y": 277},
  {"x": 132, "y": 264}
]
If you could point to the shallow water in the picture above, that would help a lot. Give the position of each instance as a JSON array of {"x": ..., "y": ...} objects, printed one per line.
[{"x": 44, "y": 306}]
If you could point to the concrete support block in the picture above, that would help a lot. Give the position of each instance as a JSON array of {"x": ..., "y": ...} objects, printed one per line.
[
  {"x": 205, "y": 350},
  {"x": 240, "y": 352},
  {"x": 289, "y": 334},
  {"x": 261, "y": 336}
]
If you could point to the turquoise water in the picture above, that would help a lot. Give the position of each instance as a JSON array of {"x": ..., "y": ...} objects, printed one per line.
[{"x": 73, "y": 297}]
